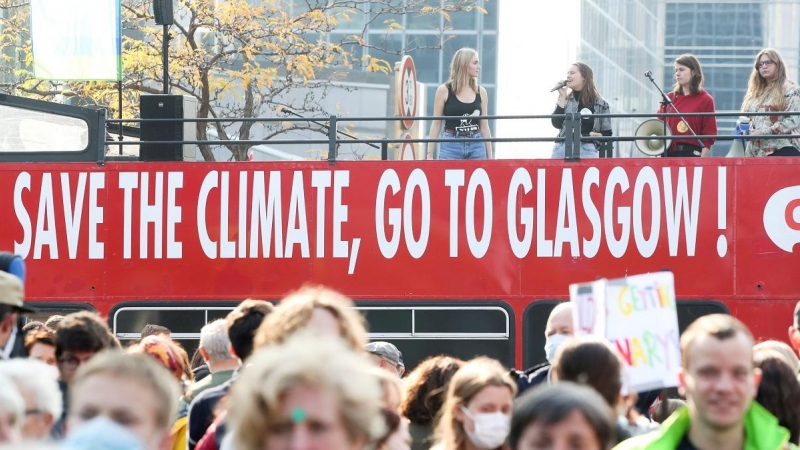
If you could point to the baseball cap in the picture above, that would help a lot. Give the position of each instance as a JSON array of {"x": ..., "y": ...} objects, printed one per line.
[
  {"x": 385, "y": 350},
  {"x": 11, "y": 292}
]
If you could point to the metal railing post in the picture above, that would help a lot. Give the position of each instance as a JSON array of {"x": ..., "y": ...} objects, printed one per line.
[
  {"x": 332, "y": 144},
  {"x": 572, "y": 138},
  {"x": 384, "y": 150}
]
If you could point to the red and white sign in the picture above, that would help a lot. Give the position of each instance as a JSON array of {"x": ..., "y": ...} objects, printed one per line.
[
  {"x": 407, "y": 94},
  {"x": 408, "y": 149}
]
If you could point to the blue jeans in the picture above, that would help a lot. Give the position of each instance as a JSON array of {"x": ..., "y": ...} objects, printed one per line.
[
  {"x": 588, "y": 150},
  {"x": 461, "y": 149}
]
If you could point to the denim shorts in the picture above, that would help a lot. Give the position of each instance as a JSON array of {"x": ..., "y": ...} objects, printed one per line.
[
  {"x": 460, "y": 148},
  {"x": 588, "y": 150}
]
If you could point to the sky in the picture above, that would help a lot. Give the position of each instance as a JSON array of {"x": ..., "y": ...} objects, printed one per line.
[{"x": 536, "y": 47}]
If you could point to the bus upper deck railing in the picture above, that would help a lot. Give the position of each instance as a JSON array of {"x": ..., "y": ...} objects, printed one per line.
[
  {"x": 573, "y": 138},
  {"x": 99, "y": 127}
]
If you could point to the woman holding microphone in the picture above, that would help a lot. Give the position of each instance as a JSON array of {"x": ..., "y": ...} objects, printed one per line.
[{"x": 578, "y": 93}]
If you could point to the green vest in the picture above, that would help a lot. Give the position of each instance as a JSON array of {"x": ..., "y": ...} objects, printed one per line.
[{"x": 762, "y": 432}]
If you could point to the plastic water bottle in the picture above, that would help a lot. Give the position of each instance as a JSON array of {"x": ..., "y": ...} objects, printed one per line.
[{"x": 743, "y": 128}]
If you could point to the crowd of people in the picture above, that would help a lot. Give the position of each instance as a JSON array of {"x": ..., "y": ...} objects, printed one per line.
[
  {"x": 769, "y": 89},
  {"x": 302, "y": 375}
]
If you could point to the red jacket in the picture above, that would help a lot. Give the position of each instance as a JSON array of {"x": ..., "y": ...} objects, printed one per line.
[{"x": 702, "y": 126}]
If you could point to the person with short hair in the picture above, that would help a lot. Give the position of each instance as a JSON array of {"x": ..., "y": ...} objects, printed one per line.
[
  {"x": 560, "y": 416},
  {"x": 310, "y": 389},
  {"x": 559, "y": 328},
  {"x": 132, "y": 390},
  {"x": 243, "y": 323},
  {"x": 155, "y": 330},
  {"x": 476, "y": 414},
  {"x": 215, "y": 347},
  {"x": 770, "y": 89},
  {"x": 41, "y": 345},
  {"x": 384, "y": 355},
  {"x": 79, "y": 337},
  {"x": 720, "y": 381},
  {"x": 38, "y": 386}
]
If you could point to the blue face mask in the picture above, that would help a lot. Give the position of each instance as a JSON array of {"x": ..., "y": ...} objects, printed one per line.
[
  {"x": 552, "y": 345},
  {"x": 101, "y": 433}
]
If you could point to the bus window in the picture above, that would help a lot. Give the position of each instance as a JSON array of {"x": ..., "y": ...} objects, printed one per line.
[
  {"x": 461, "y": 329},
  {"x": 185, "y": 322},
  {"x": 418, "y": 329},
  {"x": 45, "y": 310},
  {"x": 534, "y": 321}
]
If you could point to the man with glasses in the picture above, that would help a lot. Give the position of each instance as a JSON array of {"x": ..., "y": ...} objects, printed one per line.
[{"x": 79, "y": 337}]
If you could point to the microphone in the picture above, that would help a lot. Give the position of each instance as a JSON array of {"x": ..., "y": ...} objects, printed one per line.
[
  {"x": 649, "y": 75},
  {"x": 559, "y": 85}
]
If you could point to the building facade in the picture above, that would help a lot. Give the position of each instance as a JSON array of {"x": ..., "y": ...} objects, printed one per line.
[{"x": 726, "y": 36}]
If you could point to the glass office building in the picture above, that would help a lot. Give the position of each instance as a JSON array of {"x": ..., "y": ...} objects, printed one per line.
[
  {"x": 726, "y": 36},
  {"x": 421, "y": 35},
  {"x": 620, "y": 41}
]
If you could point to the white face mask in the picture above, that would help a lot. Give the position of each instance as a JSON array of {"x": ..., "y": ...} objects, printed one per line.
[
  {"x": 552, "y": 344},
  {"x": 491, "y": 429},
  {"x": 102, "y": 432}
]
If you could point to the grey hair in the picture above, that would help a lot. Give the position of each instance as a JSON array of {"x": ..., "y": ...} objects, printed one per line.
[
  {"x": 214, "y": 340},
  {"x": 37, "y": 377},
  {"x": 12, "y": 401}
]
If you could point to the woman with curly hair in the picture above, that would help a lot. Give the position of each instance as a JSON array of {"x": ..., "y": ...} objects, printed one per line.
[{"x": 424, "y": 395}]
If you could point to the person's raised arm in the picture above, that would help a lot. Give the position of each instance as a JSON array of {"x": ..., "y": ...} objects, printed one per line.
[{"x": 436, "y": 124}]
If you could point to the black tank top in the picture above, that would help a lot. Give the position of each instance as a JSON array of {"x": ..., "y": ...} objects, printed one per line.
[{"x": 453, "y": 107}]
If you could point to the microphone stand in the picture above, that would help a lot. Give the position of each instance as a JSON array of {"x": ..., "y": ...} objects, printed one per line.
[
  {"x": 288, "y": 111},
  {"x": 666, "y": 103}
]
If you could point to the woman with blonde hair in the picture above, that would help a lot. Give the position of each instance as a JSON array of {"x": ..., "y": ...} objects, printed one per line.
[
  {"x": 460, "y": 99},
  {"x": 309, "y": 387},
  {"x": 577, "y": 94},
  {"x": 769, "y": 89},
  {"x": 313, "y": 307},
  {"x": 476, "y": 414}
]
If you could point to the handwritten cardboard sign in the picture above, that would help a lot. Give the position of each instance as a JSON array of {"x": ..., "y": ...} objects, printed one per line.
[{"x": 638, "y": 316}]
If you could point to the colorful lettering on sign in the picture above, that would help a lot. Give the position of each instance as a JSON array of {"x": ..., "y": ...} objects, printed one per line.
[
  {"x": 632, "y": 299},
  {"x": 649, "y": 349}
]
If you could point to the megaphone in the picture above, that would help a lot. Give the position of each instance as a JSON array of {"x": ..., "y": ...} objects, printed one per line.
[
  {"x": 737, "y": 147},
  {"x": 737, "y": 150},
  {"x": 653, "y": 128}
]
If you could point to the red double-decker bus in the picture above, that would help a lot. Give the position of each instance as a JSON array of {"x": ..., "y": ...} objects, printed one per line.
[{"x": 457, "y": 257}]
